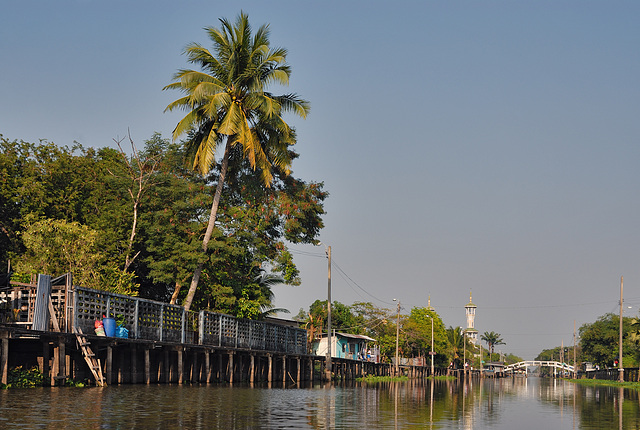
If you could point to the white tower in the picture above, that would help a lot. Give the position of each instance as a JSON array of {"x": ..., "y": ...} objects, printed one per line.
[{"x": 470, "y": 331}]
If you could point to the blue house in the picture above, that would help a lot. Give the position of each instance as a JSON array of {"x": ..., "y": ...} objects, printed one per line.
[{"x": 345, "y": 345}]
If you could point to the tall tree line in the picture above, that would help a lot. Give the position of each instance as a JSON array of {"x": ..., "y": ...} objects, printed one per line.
[{"x": 72, "y": 209}]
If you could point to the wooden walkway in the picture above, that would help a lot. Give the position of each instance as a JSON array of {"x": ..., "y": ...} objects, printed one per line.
[{"x": 54, "y": 330}]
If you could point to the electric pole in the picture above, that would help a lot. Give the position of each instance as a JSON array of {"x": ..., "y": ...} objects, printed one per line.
[{"x": 329, "y": 339}]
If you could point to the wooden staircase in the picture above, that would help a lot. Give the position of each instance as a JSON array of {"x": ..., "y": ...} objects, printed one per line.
[{"x": 90, "y": 357}]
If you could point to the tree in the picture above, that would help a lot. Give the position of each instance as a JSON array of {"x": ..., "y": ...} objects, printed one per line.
[
  {"x": 228, "y": 106},
  {"x": 456, "y": 339},
  {"x": 599, "y": 341},
  {"x": 417, "y": 329},
  {"x": 492, "y": 339}
]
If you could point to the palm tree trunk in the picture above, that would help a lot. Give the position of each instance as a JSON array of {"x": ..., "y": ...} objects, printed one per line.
[{"x": 212, "y": 221}]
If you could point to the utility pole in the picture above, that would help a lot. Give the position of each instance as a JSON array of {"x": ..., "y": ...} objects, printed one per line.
[
  {"x": 329, "y": 339},
  {"x": 575, "y": 370},
  {"x": 464, "y": 355},
  {"x": 432, "y": 351},
  {"x": 397, "y": 337},
  {"x": 621, "y": 367}
]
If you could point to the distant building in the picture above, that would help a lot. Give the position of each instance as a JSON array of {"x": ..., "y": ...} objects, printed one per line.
[{"x": 470, "y": 331}]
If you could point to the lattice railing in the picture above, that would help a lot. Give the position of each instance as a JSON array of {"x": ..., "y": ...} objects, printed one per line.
[{"x": 151, "y": 320}]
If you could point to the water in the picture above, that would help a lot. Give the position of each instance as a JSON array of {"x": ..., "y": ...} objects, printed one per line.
[{"x": 519, "y": 403}]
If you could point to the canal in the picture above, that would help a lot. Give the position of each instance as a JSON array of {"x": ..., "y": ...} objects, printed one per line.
[{"x": 511, "y": 403}]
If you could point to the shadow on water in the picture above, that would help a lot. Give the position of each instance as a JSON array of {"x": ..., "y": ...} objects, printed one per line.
[{"x": 492, "y": 404}]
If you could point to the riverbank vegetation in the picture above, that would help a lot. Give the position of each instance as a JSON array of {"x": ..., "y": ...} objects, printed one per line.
[
  {"x": 598, "y": 346},
  {"x": 606, "y": 383}
]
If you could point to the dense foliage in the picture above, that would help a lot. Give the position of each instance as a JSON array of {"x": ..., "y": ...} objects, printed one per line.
[
  {"x": 599, "y": 341},
  {"x": 133, "y": 224}
]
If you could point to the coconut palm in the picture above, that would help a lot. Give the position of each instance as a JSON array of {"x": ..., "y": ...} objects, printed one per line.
[
  {"x": 456, "y": 339},
  {"x": 228, "y": 107},
  {"x": 492, "y": 339}
]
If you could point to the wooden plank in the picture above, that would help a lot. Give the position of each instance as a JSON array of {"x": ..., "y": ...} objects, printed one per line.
[{"x": 52, "y": 312}]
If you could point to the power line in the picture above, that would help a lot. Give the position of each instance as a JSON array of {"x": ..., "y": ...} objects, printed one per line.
[{"x": 356, "y": 284}]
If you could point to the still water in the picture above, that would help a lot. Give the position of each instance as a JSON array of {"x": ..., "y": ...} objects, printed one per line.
[{"x": 489, "y": 404}]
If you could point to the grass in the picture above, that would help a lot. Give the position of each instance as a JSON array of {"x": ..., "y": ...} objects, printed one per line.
[
  {"x": 606, "y": 383},
  {"x": 371, "y": 378}
]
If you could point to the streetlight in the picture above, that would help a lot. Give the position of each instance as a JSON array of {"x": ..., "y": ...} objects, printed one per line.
[
  {"x": 621, "y": 367},
  {"x": 397, "y": 334}
]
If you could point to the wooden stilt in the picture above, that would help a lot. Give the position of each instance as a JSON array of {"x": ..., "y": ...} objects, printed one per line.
[
  {"x": 180, "y": 365},
  {"x": 252, "y": 368},
  {"x": 230, "y": 368},
  {"x": 207, "y": 366},
  {"x": 270, "y": 367},
  {"x": 166, "y": 367},
  {"x": 147, "y": 366},
  {"x": 134, "y": 364},
  {"x": 109, "y": 369},
  {"x": 284, "y": 369},
  {"x": 4, "y": 357}
]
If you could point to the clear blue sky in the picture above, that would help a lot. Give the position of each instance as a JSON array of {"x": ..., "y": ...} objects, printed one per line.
[{"x": 488, "y": 146}]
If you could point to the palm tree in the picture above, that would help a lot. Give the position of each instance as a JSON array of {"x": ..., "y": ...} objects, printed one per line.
[
  {"x": 228, "y": 107},
  {"x": 456, "y": 339},
  {"x": 492, "y": 339}
]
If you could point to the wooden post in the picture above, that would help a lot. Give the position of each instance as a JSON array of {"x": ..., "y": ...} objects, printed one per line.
[
  {"x": 311, "y": 364},
  {"x": 195, "y": 370},
  {"x": 180, "y": 365},
  {"x": 62, "y": 362},
  {"x": 134, "y": 364},
  {"x": 270, "y": 366},
  {"x": 147, "y": 366},
  {"x": 207, "y": 366},
  {"x": 166, "y": 368},
  {"x": 109, "y": 364},
  {"x": 252, "y": 367},
  {"x": 298, "y": 362},
  {"x": 46, "y": 361},
  {"x": 120, "y": 365},
  {"x": 284, "y": 369},
  {"x": 4, "y": 357},
  {"x": 230, "y": 367}
]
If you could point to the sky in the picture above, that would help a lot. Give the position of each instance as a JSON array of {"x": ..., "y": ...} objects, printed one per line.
[{"x": 484, "y": 147}]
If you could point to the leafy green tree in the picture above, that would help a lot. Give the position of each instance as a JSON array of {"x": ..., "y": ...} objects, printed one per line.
[
  {"x": 599, "y": 341},
  {"x": 57, "y": 247},
  {"x": 417, "y": 331},
  {"x": 228, "y": 106},
  {"x": 492, "y": 339}
]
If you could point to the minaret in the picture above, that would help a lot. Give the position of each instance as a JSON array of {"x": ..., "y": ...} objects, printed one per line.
[
  {"x": 470, "y": 310},
  {"x": 429, "y": 308}
]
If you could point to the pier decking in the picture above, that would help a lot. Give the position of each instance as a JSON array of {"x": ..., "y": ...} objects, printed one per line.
[{"x": 50, "y": 324}]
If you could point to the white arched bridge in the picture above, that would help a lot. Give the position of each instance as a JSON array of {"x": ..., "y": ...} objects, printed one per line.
[{"x": 534, "y": 363}]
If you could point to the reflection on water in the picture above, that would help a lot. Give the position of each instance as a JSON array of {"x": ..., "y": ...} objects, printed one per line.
[{"x": 489, "y": 404}]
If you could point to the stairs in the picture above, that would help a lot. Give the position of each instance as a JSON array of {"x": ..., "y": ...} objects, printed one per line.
[{"x": 90, "y": 357}]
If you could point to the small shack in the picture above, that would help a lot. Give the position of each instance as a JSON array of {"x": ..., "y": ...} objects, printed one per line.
[{"x": 345, "y": 345}]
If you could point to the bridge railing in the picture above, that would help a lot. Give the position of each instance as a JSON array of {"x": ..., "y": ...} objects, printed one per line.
[
  {"x": 538, "y": 363},
  {"x": 158, "y": 321}
]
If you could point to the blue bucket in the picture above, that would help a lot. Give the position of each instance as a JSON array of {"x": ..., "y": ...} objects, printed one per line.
[{"x": 109, "y": 326}]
